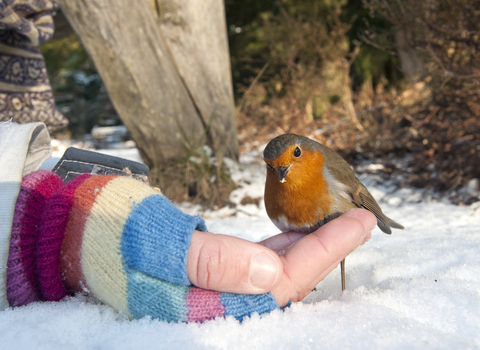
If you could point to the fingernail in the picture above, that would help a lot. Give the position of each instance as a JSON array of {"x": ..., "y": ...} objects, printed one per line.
[
  {"x": 263, "y": 271},
  {"x": 372, "y": 226},
  {"x": 366, "y": 238}
]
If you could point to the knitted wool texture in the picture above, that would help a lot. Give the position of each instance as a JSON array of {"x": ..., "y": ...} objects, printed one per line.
[
  {"x": 50, "y": 239},
  {"x": 126, "y": 244},
  {"x": 22, "y": 283}
]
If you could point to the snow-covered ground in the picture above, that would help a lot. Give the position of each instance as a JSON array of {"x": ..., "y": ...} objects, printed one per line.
[{"x": 418, "y": 288}]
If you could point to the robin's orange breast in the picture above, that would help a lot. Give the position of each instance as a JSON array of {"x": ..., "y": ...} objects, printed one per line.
[{"x": 303, "y": 200}]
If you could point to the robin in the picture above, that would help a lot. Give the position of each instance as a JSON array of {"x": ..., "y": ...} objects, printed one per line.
[{"x": 308, "y": 184}]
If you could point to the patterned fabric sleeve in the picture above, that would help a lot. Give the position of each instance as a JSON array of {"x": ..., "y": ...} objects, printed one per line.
[
  {"x": 27, "y": 33},
  {"x": 124, "y": 243},
  {"x": 25, "y": 91}
]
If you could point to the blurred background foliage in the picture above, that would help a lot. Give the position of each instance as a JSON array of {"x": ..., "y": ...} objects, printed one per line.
[
  {"x": 78, "y": 89},
  {"x": 288, "y": 31},
  {"x": 288, "y": 35},
  {"x": 369, "y": 78}
]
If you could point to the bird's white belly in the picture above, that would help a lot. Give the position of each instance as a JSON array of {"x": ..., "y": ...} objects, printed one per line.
[{"x": 285, "y": 226}]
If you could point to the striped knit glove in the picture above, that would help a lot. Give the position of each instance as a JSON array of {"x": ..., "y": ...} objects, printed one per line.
[{"x": 117, "y": 239}]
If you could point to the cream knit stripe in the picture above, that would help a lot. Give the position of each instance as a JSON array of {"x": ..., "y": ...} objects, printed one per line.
[{"x": 102, "y": 263}]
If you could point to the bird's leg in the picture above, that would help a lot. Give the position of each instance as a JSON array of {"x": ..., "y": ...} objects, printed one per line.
[{"x": 342, "y": 269}]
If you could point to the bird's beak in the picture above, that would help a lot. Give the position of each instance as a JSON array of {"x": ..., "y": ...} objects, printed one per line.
[{"x": 282, "y": 173}]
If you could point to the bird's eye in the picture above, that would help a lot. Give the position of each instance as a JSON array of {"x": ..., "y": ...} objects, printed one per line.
[
  {"x": 269, "y": 166},
  {"x": 297, "y": 152}
]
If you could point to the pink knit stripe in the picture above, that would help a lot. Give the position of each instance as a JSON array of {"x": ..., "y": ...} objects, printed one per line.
[
  {"x": 52, "y": 228},
  {"x": 203, "y": 305},
  {"x": 22, "y": 283}
]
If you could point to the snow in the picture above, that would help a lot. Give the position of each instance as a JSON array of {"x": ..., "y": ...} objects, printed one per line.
[{"x": 417, "y": 288}]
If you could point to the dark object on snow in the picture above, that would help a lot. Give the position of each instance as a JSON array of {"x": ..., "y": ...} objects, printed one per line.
[{"x": 75, "y": 162}]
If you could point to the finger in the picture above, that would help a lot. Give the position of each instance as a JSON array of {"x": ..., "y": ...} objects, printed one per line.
[
  {"x": 316, "y": 253},
  {"x": 309, "y": 260},
  {"x": 366, "y": 217},
  {"x": 332, "y": 267},
  {"x": 230, "y": 264},
  {"x": 282, "y": 241},
  {"x": 369, "y": 222}
]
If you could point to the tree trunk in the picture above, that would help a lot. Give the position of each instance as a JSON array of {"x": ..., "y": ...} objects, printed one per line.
[
  {"x": 169, "y": 88},
  {"x": 196, "y": 34}
]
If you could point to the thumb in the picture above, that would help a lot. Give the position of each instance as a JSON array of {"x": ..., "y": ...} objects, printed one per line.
[{"x": 229, "y": 264}]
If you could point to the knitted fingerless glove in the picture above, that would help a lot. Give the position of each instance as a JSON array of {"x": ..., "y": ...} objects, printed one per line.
[{"x": 117, "y": 239}]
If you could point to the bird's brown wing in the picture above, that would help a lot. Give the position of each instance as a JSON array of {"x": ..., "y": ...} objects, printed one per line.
[
  {"x": 360, "y": 196},
  {"x": 367, "y": 201}
]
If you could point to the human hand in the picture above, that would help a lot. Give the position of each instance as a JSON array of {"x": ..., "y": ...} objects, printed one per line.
[
  {"x": 120, "y": 230},
  {"x": 289, "y": 265}
]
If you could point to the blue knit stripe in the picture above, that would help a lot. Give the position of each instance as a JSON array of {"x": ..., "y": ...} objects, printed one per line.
[
  {"x": 156, "y": 238},
  {"x": 241, "y": 305},
  {"x": 150, "y": 296}
]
